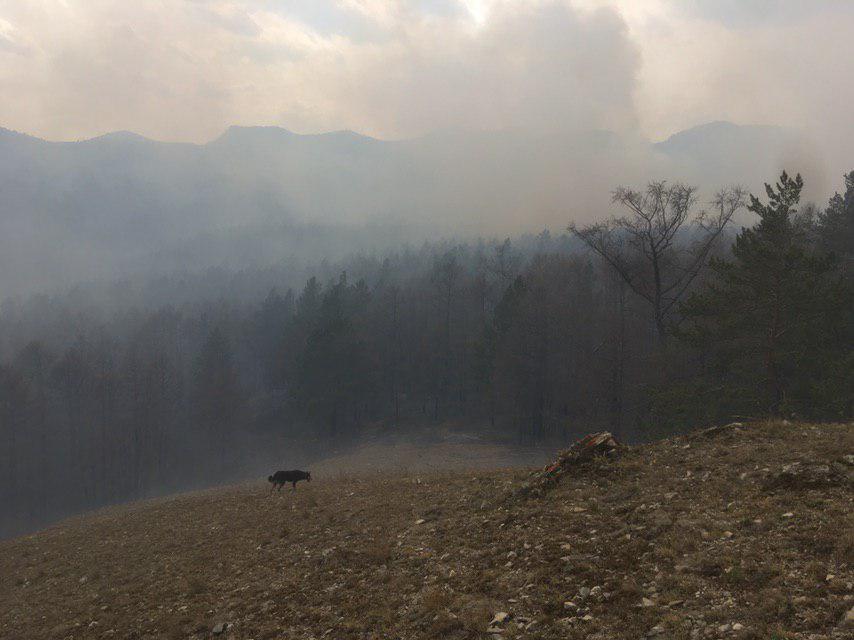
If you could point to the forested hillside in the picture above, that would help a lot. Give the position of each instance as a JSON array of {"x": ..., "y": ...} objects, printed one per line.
[{"x": 643, "y": 324}]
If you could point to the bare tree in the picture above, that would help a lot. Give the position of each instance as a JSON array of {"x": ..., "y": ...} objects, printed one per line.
[{"x": 645, "y": 248}]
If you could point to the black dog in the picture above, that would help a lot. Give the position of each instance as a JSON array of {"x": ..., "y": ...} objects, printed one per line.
[{"x": 281, "y": 477}]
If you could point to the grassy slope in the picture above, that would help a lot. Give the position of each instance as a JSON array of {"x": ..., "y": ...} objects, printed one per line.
[{"x": 684, "y": 523}]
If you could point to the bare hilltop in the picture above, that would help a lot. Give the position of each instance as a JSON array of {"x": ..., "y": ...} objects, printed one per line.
[{"x": 745, "y": 531}]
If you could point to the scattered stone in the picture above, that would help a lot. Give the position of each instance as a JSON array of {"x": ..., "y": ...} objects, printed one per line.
[
  {"x": 847, "y": 621},
  {"x": 737, "y": 626},
  {"x": 714, "y": 432},
  {"x": 220, "y": 628},
  {"x": 500, "y": 618},
  {"x": 646, "y": 602}
]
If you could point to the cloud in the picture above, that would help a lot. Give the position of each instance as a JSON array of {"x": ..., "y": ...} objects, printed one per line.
[
  {"x": 533, "y": 66},
  {"x": 232, "y": 19},
  {"x": 187, "y": 69},
  {"x": 8, "y": 39},
  {"x": 739, "y": 14}
]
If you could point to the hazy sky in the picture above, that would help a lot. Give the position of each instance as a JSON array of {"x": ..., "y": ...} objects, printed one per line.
[{"x": 186, "y": 69}]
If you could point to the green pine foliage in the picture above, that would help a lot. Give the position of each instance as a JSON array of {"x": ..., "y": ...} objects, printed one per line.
[
  {"x": 836, "y": 226},
  {"x": 773, "y": 326}
]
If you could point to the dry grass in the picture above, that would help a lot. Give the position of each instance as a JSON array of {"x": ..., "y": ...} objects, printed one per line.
[{"x": 685, "y": 527}]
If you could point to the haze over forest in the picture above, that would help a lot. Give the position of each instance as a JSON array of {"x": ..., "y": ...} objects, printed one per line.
[
  {"x": 121, "y": 205},
  {"x": 238, "y": 234}
]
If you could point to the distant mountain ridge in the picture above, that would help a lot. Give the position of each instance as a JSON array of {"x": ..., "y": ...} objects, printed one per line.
[
  {"x": 721, "y": 130},
  {"x": 121, "y": 204},
  {"x": 691, "y": 135}
]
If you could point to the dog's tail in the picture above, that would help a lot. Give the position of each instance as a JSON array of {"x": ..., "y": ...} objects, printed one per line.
[{"x": 269, "y": 478}]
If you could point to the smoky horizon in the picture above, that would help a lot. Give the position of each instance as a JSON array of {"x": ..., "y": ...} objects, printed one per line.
[{"x": 360, "y": 319}]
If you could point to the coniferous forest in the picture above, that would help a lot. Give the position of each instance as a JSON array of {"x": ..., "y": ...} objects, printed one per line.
[{"x": 675, "y": 314}]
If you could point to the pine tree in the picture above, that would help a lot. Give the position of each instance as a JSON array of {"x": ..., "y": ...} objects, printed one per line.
[
  {"x": 769, "y": 319},
  {"x": 836, "y": 225}
]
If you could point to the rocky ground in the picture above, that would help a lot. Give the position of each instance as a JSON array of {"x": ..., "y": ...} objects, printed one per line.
[{"x": 744, "y": 532}]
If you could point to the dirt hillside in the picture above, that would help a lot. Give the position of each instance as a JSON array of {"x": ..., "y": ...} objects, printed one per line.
[
  {"x": 743, "y": 532},
  {"x": 450, "y": 454}
]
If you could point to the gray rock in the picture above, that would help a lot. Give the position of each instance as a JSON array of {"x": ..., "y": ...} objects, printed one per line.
[{"x": 220, "y": 628}]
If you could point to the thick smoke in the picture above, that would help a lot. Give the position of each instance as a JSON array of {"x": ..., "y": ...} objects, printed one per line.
[{"x": 186, "y": 70}]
